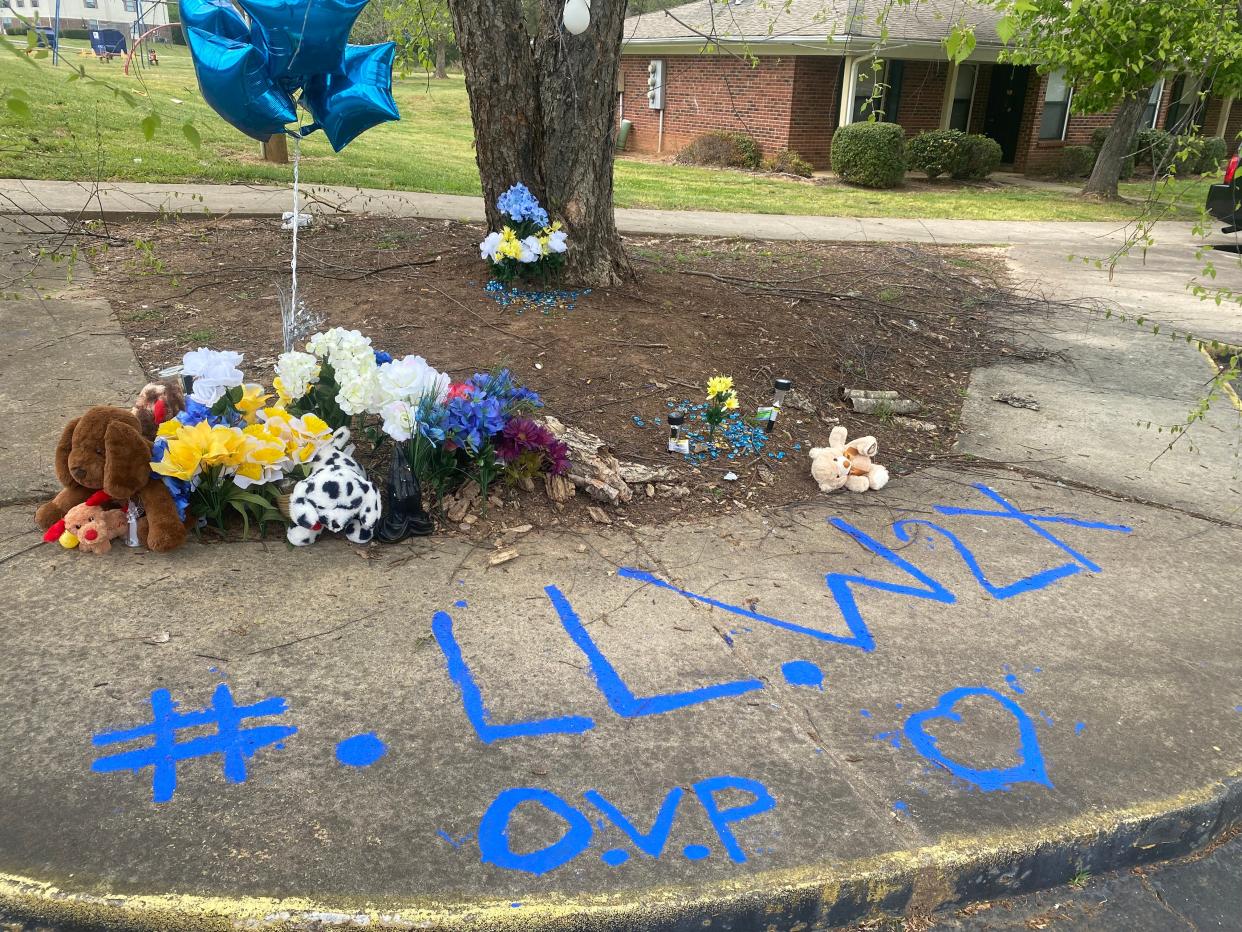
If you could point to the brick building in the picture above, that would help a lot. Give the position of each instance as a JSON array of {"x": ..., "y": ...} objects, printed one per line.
[{"x": 790, "y": 72}]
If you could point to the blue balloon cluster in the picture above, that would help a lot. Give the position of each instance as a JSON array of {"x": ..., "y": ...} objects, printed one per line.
[{"x": 249, "y": 73}]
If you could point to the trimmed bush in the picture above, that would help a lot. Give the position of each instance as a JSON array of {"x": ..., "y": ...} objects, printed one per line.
[
  {"x": 1151, "y": 147},
  {"x": 870, "y": 154},
  {"x": 1076, "y": 162},
  {"x": 787, "y": 162},
  {"x": 980, "y": 157},
  {"x": 936, "y": 153},
  {"x": 1185, "y": 154},
  {"x": 1099, "y": 136},
  {"x": 1215, "y": 151},
  {"x": 722, "y": 149}
]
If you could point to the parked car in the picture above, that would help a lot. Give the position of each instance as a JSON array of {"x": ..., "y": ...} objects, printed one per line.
[{"x": 1224, "y": 200}]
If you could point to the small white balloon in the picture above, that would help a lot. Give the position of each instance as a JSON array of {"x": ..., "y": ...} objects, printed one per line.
[{"x": 577, "y": 16}]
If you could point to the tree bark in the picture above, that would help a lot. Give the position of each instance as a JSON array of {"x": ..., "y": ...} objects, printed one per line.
[
  {"x": 544, "y": 108},
  {"x": 1118, "y": 145},
  {"x": 441, "y": 72},
  {"x": 276, "y": 149}
]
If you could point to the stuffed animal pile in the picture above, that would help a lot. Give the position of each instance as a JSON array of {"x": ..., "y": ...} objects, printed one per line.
[
  {"x": 106, "y": 451},
  {"x": 847, "y": 465}
]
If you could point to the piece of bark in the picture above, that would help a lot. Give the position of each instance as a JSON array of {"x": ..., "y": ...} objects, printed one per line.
[
  {"x": 502, "y": 556},
  {"x": 460, "y": 502},
  {"x": 592, "y": 467}
]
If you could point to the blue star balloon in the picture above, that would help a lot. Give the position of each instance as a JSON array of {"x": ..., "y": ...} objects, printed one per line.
[
  {"x": 345, "y": 105},
  {"x": 249, "y": 73},
  {"x": 302, "y": 38},
  {"x": 217, "y": 17},
  {"x": 234, "y": 79}
]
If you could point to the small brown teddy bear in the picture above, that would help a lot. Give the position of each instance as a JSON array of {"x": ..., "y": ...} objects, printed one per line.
[
  {"x": 94, "y": 527},
  {"x": 104, "y": 449},
  {"x": 847, "y": 465}
]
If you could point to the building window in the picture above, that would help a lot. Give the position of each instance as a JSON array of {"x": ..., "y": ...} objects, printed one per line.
[
  {"x": 872, "y": 102},
  {"x": 1152, "y": 109},
  {"x": 1057, "y": 97},
  {"x": 131, "y": 6},
  {"x": 866, "y": 99},
  {"x": 963, "y": 97},
  {"x": 1186, "y": 106}
]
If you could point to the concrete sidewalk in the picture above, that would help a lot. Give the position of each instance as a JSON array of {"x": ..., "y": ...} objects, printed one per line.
[
  {"x": 129, "y": 199},
  {"x": 869, "y": 703}
]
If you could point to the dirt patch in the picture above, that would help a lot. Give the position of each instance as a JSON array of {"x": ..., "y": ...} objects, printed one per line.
[{"x": 914, "y": 319}]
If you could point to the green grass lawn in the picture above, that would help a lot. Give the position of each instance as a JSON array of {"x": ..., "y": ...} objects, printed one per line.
[{"x": 83, "y": 130}]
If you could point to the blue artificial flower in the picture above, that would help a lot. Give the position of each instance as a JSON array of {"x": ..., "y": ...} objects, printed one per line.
[
  {"x": 520, "y": 205},
  {"x": 195, "y": 412},
  {"x": 471, "y": 420},
  {"x": 502, "y": 387},
  {"x": 180, "y": 489},
  {"x": 381, "y": 357}
]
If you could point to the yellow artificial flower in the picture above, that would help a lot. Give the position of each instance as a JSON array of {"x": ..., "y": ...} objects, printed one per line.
[
  {"x": 719, "y": 385},
  {"x": 282, "y": 396},
  {"x": 253, "y": 398},
  {"x": 731, "y": 402},
  {"x": 188, "y": 447},
  {"x": 260, "y": 456},
  {"x": 301, "y": 437},
  {"x": 169, "y": 428}
]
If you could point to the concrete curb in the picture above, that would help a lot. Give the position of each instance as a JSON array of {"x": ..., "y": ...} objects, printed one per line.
[{"x": 952, "y": 873}]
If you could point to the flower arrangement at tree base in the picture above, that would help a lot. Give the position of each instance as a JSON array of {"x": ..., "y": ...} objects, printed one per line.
[{"x": 528, "y": 246}]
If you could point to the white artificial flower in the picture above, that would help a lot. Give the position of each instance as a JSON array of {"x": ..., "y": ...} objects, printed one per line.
[
  {"x": 339, "y": 345},
  {"x": 487, "y": 248},
  {"x": 411, "y": 379},
  {"x": 214, "y": 372},
  {"x": 558, "y": 241},
  {"x": 359, "y": 389},
  {"x": 399, "y": 420},
  {"x": 296, "y": 371},
  {"x": 532, "y": 251}
]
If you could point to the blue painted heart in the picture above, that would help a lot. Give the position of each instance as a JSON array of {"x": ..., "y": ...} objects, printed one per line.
[{"x": 1029, "y": 769}]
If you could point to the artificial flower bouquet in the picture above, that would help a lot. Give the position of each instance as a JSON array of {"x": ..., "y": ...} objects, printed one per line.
[
  {"x": 235, "y": 451},
  {"x": 477, "y": 430},
  {"x": 528, "y": 245},
  {"x": 721, "y": 399},
  {"x": 480, "y": 431},
  {"x": 226, "y": 452}
]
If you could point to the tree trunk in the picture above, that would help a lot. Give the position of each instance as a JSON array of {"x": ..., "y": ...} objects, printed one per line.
[
  {"x": 276, "y": 149},
  {"x": 544, "y": 109},
  {"x": 1118, "y": 145},
  {"x": 441, "y": 60}
]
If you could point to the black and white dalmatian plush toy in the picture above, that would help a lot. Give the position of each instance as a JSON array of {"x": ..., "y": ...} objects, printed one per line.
[{"x": 336, "y": 496}]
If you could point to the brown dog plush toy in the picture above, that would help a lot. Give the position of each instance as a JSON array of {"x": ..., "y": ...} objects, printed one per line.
[
  {"x": 104, "y": 449},
  {"x": 92, "y": 528}
]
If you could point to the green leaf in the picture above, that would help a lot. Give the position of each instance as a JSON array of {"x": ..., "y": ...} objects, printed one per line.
[
  {"x": 241, "y": 510},
  {"x": 191, "y": 135},
  {"x": 960, "y": 43},
  {"x": 249, "y": 498},
  {"x": 150, "y": 123},
  {"x": 18, "y": 106},
  {"x": 1006, "y": 28}
]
